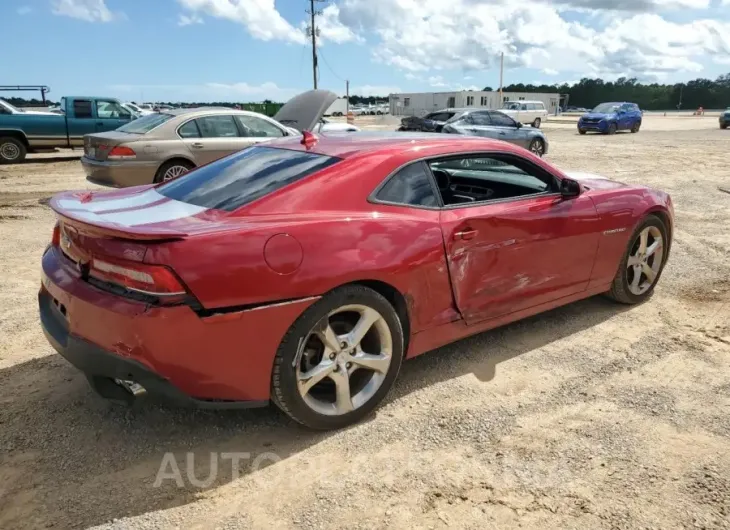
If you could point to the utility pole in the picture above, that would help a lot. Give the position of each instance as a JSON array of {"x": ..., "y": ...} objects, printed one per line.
[
  {"x": 347, "y": 92},
  {"x": 501, "y": 78},
  {"x": 313, "y": 31}
]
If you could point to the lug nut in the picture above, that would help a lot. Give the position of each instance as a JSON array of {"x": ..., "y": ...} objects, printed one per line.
[
  {"x": 344, "y": 345},
  {"x": 348, "y": 365},
  {"x": 332, "y": 356},
  {"x": 336, "y": 368}
]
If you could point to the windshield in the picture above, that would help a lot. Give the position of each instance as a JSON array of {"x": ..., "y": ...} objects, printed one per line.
[
  {"x": 243, "y": 177},
  {"x": 133, "y": 106},
  {"x": 145, "y": 124},
  {"x": 607, "y": 108},
  {"x": 511, "y": 105},
  {"x": 439, "y": 116}
]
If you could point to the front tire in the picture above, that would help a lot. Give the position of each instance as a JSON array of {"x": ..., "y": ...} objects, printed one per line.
[
  {"x": 612, "y": 128},
  {"x": 536, "y": 123},
  {"x": 642, "y": 262},
  {"x": 635, "y": 128},
  {"x": 581, "y": 131},
  {"x": 537, "y": 147},
  {"x": 339, "y": 359},
  {"x": 12, "y": 150},
  {"x": 723, "y": 126}
]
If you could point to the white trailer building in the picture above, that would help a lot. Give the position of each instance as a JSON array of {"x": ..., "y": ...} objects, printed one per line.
[{"x": 420, "y": 103}]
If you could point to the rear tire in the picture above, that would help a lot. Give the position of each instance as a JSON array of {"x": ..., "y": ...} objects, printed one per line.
[
  {"x": 327, "y": 402},
  {"x": 12, "y": 150},
  {"x": 172, "y": 169},
  {"x": 536, "y": 123},
  {"x": 624, "y": 289}
]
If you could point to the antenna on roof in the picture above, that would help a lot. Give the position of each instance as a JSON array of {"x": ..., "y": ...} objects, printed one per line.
[{"x": 308, "y": 139}]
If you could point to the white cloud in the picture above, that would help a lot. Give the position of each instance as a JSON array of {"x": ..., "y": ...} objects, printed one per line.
[
  {"x": 437, "y": 81},
  {"x": 24, "y": 10},
  {"x": 259, "y": 17},
  {"x": 88, "y": 10},
  {"x": 331, "y": 29},
  {"x": 211, "y": 91},
  {"x": 423, "y": 37},
  {"x": 185, "y": 20}
]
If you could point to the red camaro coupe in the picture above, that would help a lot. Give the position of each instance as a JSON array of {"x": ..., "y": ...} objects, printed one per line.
[{"x": 306, "y": 270}]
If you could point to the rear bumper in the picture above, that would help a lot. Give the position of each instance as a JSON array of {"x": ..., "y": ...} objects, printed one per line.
[
  {"x": 220, "y": 361},
  {"x": 119, "y": 174}
]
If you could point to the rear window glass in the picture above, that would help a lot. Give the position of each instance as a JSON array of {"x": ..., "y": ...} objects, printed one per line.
[
  {"x": 145, "y": 124},
  {"x": 440, "y": 116},
  {"x": 243, "y": 177}
]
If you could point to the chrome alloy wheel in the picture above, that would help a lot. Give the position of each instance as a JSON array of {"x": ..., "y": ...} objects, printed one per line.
[
  {"x": 537, "y": 147},
  {"x": 174, "y": 172},
  {"x": 344, "y": 360},
  {"x": 645, "y": 260}
]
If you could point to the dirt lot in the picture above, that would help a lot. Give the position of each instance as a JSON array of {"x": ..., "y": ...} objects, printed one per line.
[{"x": 590, "y": 416}]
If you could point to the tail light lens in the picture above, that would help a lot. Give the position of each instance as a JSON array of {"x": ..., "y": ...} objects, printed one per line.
[
  {"x": 121, "y": 152},
  {"x": 153, "y": 280},
  {"x": 56, "y": 237}
]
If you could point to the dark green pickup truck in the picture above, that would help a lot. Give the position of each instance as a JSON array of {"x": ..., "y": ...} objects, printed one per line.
[{"x": 22, "y": 132}]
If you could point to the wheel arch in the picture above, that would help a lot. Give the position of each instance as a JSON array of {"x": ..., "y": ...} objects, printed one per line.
[
  {"x": 397, "y": 299},
  {"x": 175, "y": 158},
  {"x": 17, "y": 134}
]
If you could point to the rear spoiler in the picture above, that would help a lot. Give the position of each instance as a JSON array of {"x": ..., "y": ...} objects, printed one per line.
[{"x": 75, "y": 209}]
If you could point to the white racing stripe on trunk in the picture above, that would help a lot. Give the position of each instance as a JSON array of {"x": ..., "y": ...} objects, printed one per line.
[
  {"x": 168, "y": 211},
  {"x": 133, "y": 201}
]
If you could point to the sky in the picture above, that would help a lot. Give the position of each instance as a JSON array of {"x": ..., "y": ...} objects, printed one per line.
[{"x": 251, "y": 50}]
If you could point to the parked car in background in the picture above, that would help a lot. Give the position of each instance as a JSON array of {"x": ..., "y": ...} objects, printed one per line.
[
  {"x": 432, "y": 122},
  {"x": 164, "y": 145},
  {"x": 608, "y": 118},
  {"x": 303, "y": 272},
  {"x": 496, "y": 124},
  {"x": 22, "y": 132},
  {"x": 725, "y": 119},
  {"x": 328, "y": 126},
  {"x": 526, "y": 112},
  {"x": 138, "y": 109}
]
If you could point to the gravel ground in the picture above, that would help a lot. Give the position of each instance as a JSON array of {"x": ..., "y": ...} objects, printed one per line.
[{"x": 590, "y": 416}]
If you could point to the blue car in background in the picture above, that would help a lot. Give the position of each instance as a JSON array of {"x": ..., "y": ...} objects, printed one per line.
[{"x": 607, "y": 118}]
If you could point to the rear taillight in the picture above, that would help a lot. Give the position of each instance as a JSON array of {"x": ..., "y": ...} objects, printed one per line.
[
  {"x": 56, "y": 237},
  {"x": 152, "y": 280},
  {"x": 121, "y": 152}
]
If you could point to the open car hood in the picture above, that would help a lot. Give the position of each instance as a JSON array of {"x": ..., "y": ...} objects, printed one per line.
[{"x": 304, "y": 111}]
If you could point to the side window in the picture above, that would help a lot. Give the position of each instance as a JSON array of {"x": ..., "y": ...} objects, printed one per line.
[
  {"x": 82, "y": 108},
  {"x": 217, "y": 127},
  {"x": 480, "y": 118},
  {"x": 523, "y": 106},
  {"x": 110, "y": 110},
  {"x": 189, "y": 130},
  {"x": 540, "y": 106},
  {"x": 530, "y": 106},
  {"x": 411, "y": 186},
  {"x": 472, "y": 179},
  {"x": 502, "y": 120},
  {"x": 3, "y": 110},
  {"x": 258, "y": 128}
]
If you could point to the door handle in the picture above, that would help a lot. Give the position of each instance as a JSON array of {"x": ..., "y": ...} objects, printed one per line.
[
  {"x": 466, "y": 235},
  {"x": 196, "y": 145},
  {"x": 100, "y": 123}
]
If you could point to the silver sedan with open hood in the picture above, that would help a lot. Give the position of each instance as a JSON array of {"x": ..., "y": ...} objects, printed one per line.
[{"x": 165, "y": 145}]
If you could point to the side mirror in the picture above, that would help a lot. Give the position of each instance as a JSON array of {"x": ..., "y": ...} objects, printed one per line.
[
  {"x": 519, "y": 125},
  {"x": 569, "y": 188}
]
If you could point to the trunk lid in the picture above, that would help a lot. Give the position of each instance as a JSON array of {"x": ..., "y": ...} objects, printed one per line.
[
  {"x": 98, "y": 145},
  {"x": 303, "y": 112},
  {"x": 137, "y": 213}
]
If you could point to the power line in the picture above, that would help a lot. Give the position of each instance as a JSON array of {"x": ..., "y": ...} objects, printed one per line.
[
  {"x": 313, "y": 31},
  {"x": 329, "y": 67}
]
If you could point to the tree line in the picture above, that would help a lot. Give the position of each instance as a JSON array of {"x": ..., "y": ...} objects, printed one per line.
[{"x": 588, "y": 93}]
